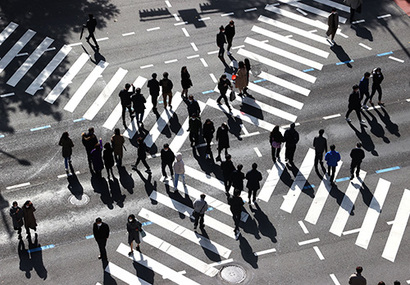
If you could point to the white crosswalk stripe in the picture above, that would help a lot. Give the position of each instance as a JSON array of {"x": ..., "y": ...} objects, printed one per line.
[
  {"x": 284, "y": 83},
  {"x": 272, "y": 180},
  {"x": 11, "y": 27},
  {"x": 124, "y": 275},
  {"x": 334, "y": 4}
]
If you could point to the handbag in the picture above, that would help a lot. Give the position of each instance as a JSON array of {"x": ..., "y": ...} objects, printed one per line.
[
  {"x": 275, "y": 144},
  {"x": 232, "y": 96},
  {"x": 143, "y": 233}
]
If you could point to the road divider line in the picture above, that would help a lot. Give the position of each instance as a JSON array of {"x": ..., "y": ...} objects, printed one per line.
[
  {"x": 180, "y": 23},
  {"x": 385, "y": 53},
  {"x": 250, "y": 10},
  {"x": 365, "y": 46},
  {"x": 318, "y": 252},
  {"x": 128, "y": 34},
  {"x": 153, "y": 29},
  {"x": 204, "y": 19},
  {"x": 168, "y": 4},
  {"x": 7, "y": 95},
  {"x": 349, "y": 232},
  {"x": 18, "y": 186},
  {"x": 185, "y": 32},
  {"x": 266, "y": 251},
  {"x": 146, "y": 66},
  {"x": 396, "y": 59},
  {"x": 171, "y": 61},
  {"x": 331, "y": 117},
  {"x": 358, "y": 22},
  {"x": 203, "y": 62},
  {"x": 387, "y": 169},
  {"x": 227, "y": 14},
  {"x": 303, "y": 226},
  {"x": 258, "y": 153},
  {"x": 384, "y": 16},
  {"x": 40, "y": 128},
  {"x": 309, "y": 241},
  {"x": 332, "y": 276},
  {"x": 194, "y": 46}
]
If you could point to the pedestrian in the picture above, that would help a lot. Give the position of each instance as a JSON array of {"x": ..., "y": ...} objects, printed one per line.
[
  {"x": 125, "y": 98},
  {"x": 229, "y": 34},
  {"x": 222, "y": 138},
  {"x": 91, "y": 24},
  {"x": 179, "y": 170},
  {"x": 220, "y": 42},
  {"x": 192, "y": 106},
  {"x": 364, "y": 89},
  {"x": 355, "y": 6},
  {"x": 96, "y": 157},
  {"x": 29, "y": 218},
  {"x": 236, "y": 205},
  {"x": 117, "y": 141},
  {"x": 194, "y": 129},
  {"x": 248, "y": 70},
  {"x": 134, "y": 228},
  {"x": 153, "y": 86},
  {"x": 397, "y": 282},
  {"x": 223, "y": 84},
  {"x": 186, "y": 82},
  {"x": 320, "y": 145},
  {"x": 241, "y": 80},
  {"x": 208, "y": 131},
  {"x": 357, "y": 278},
  {"x": 377, "y": 80},
  {"x": 355, "y": 105},
  {"x": 101, "y": 233},
  {"x": 275, "y": 140},
  {"x": 16, "y": 214},
  {"x": 138, "y": 101},
  {"x": 67, "y": 149},
  {"x": 89, "y": 140},
  {"x": 141, "y": 155},
  {"x": 332, "y": 157},
  {"x": 166, "y": 85},
  {"x": 200, "y": 207},
  {"x": 237, "y": 178},
  {"x": 357, "y": 155},
  {"x": 227, "y": 170},
  {"x": 291, "y": 139},
  {"x": 381, "y": 283},
  {"x": 254, "y": 177},
  {"x": 108, "y": 159},
  {"x": 333, "y": 24},
  {"x": 167, "y": 158}
]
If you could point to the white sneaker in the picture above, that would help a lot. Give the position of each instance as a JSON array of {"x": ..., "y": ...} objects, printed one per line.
[
  {"x": 347, "y": 119},
  {"x": 362, "y": 122},
  {"x": 228, "y": 52},
  {"x": 365, "y": 107}
]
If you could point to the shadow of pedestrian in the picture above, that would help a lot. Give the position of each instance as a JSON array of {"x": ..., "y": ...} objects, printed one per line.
[
  {"x": 375, "y": 127},
  {"x": 37, "y": 257},
  {"x": 4, "y": 204},
  {"x": 24, "y": 162},
  {"x": 75, "y": 186},
  {"x": 234, "y": 124},
  {"x": 203, "y": 239},
  {"x": 364, "y": 137},
  {"x": 362, "y": 32},
  {"x": 25, "y": 261},
  {"x": 368, "y": 197},
  {"x": 107, "y": 278},
  {"x": 186, "y": 200},
  {"x": 100, "y": 186},
  {"x": 149, "y": 187},
  {"x": 341, "y": 54},
  {"x": 390, "y": 126},
  {"x": 247, "y": 252},
  {"x": 144, "y": 272},
  {"x": 337, "y": 194},
  {"x": 174, "y": 124},
  {"x": 265, "y": 226},
  {"x": 126, "y": 179},
  {"x": 249, "y": 106},
  {"x": 116, "y": 194},
  {"x": 251, "y": 227},
  {"x": 340, "y": 196}
]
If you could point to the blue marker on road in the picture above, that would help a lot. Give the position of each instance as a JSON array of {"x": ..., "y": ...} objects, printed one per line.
[
  {"x": 385, "y": 53},
  {"x": 309, "y": 187},
  {"x": 41, "y": 248},
  {"x": 1, "y": 136},
  {"x": 78, "y": 120},
  {"x": 259, "y": 80},
  {"x": 342, "y": 179},
  {"x": 309, "y": 69},
  {"x": 40, "y": 128},
  {"x": 146, "y": 223},
  {"x": 207, "y": 92},
  {"x": 388, "y": 169},
  {"x": 345, "y": 62},
  {"x": 89, "y": 237}
]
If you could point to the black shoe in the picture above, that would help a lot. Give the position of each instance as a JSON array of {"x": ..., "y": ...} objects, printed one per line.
[
  {"x": 99, "y": 257},
  {"x": 351, "y": 177},
  {"x": 130, "y": 253}
]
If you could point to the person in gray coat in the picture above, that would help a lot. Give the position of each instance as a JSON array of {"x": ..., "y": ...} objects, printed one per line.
[
  {"x": 333, "y": 23},
  {"x": 16, "y": 214},
  {"x": 200, "y": 207}
]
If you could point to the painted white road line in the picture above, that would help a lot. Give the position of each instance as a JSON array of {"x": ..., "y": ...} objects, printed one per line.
[
  {"x": 185, "y": 32},
  {"x": 22, "y": 54},
  {"x": 67, "y": 78},
  {"x": 105, "y": 94},
  {"x": 180, "y": 23},
  {"x": 384, "y": 16},
  {"x": 204, "y": 62},
  {"x": 266, "y": 251},
  {"x": 163, "y": 120},
  {"x": 168, "y": 4},
  {"x": 301, "y": 11},
  {"x": 365, "y": 46},
  {"x": 277, "y": 65},
  {"x": 18, "y": 186},
  {"x": 284, "y": 53},
  {"x": 295, "y": 190},
  {"x": 204, "y": 19},
  {"x": 399, "y": 226},
  {"x": 284, "y": 83},
  {"x": 195, "y": 48},
  {"x": 213, "y": 78},
  {"x": 336, "y": 5},
  {"x": 176, "y": 17},
  {"x": 161, "y": 269},
  {"x": 334, "y": 279},
  {"x": 128, "y": 34},
  {"x": 153, "y": 29},
  {"x": 50, "y": 49},
  {"x": 51, "y": 66},
  {"x": 319, "y": 253},
  {"x": 185, "y": 233},
  {"x": 124, "y": 275},
  {"x": 65, "y": 175},
  {"x": 396, "y": 59},
  {"x": 7, "y": 95},
  {"x": 75, "y": 44},
  {"x": 218, "y": 263},
  {"x": 347, "y": 204},
  {"x": 187, "y": 211},
  {"x": 250, "y": 10},
  {"x": 318, "y": 203},
  {"x": 133, "y": 128},
  {"x": 358, "y": 22},
  {"x": 146, "y": 66},
  {"x": 30, "y": 61},
  {"x": 11, "y": 27},
  {"x": 349, "y": 232},
  {"x": 170, "y": 61},
  {"x": 85, "y": 86},
  {"x": 13, "y": 52},
  {"x": 270, "y": 184},
  {"x": 309, "y": 241},
  {"x": 372, "y": 214},
  {"x": 179, "y": 254},
  {"x": 303, "y": 226},
  {"x": 102, "y": 39},
  {"x": 257, "y": 151},
  {"x": 331, "y": 117},
  {"x": 192, "y": 56},
  {"x": 227, "y": 14}
]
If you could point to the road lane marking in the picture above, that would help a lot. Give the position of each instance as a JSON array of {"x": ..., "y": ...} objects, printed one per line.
[
  {"x": 203, "y": 62},
  {"x": 358, "y": 21},
  {"x": 41, "y": 248},
  {"x": 396, "y": 59},
  {"x": 387, "y": 169},
  {"x": 221, "y": 262},
  {"x": 180, "y": 23},
  {"x": 102, "y": 39},
  {"x": 185, "y": 32},
  {"x": 128, "y": 34},
  {"x": 332, "y": 276},
  {"x": 153, "y": 29},
  {"x": 309, "y": 241},
  {"x": 204, "y": 19},
  {"x": 270, "y": 184},
  {"x": 194, "y": 46},
  {"x": 250, "y": 10},
  {"x": 365, "y": 46},
  {"x": 227, "y": 14},
  {"x": 11, "y": 27},
  {"x": 7, "y": 95},
  {"x": 40, "y": 128},
  {"x": 266, "y": 251},
  {"x": 168, "y": 3},
  {"x": 146, "y": 66},
  {"x": 176, "y": 17},
  {"x": 18, "y": 186},
  {"x": 385, "y": 53},
  {"x": 319, "y": 253},
  {"x": 213, "y": 78},
  {"x": 258, "y": 153},
  {"x": 284, "y": 83},
  {"x": 345, "y": 233},
  {"x": 124, "y": 275},
  {"x": 192, "y": 56},
  {"x": 303, "y": 226},
  {"x": 384, "y": 16}
]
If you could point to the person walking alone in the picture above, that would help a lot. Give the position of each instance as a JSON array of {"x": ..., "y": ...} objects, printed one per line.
[
  {"x": 125, "y": 98},
  {"x": 227, "y": 170},
  {"x": 236, "y": 205},
  {"x": 355, "y": 105},
  {"x": 186, "y": 82},
  {"x": 208, "y": 131},
  {"x": 138, "y": 101},
  {"x": 167, "y": 158},
  {"x": 117, "y": 141},
  {"x": 223, "y": 84},
  {"x": 200, "y": 207},
  {"x": 89, "y": 141},
  {"x": 220, "y": 42},
  {"x": 254, "y": 177},
  {"x": 241, "y": 80},
  {"x": 364, "y": 89},
  {"x": 141, "y": 155},
  {"x": 91, "y": 24},
  {"x": 376, "y": 86},
  {"x": 192, "y": 106},
  {"x": 291, "y": 139},
  {"x": 153, "y": 86},
  {"x": 275, "y": 140},
  {"x": 357, "y": 155},
  {"x": 179, "y": 170},
  {"x": 16, "y": 214},
  {"x": 333, "y": 23},
  {"x": 194, "y": 129},
  {"x": 222, "y": 138},
  {"x": 67, "y": 150},
  {"x": 332, "y": 157},
  {"x": 29, "y": 218},
  {"x": 166, "y": 85},
  {"x": 134, "y": 228},
  {"x": 101, "y": 233},
  {"x": 320, "y": 145},
  {"x": 229, "y": 33}
]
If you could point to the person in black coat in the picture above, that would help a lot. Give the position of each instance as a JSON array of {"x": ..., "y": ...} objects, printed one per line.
[
  {"x": 357, "y": 155},
  {"x": 192, "y": 106},
  {"x": 89, "y": 141},
  {"x": 101, "y": 233},
  {"x": 223, "y": 85},
  {"x": 377, "y": 80},
  {"x": 125, "y": 97},
  {"x": 364, "y": 89},
  {"x": 229, "y": 33},
  {"x": 291, "y": 139},
  {"x": 227, "y": 169},
  {"x": 186, "y": 82},
  {"x": 167, "y": 159},
  {"x": 108, "y": 159},
  {"x": 208, "y": 131},
  {"x": 223, "y": 140},
  {"x": 237, "y": 178},
  {"x": 138, "y": 102},
  {"x": 194, "y": 129},
  {"x": 220, "y": 42},
  {"x": 141, "y": 155},
  {"x": 91, "y": 25},
  {"x": 354, "y": 104},
  {"x": 236, "y": 204},
  {"x": 134, "y": 228},
  {"x": 16, "y": 214},
  {"x": 153, "y": 86},
  {"x": 254, "y": 177}
]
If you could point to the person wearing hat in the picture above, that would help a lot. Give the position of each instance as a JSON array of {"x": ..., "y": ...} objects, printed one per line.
[
  {"x": 229, "y": 33},
  {"x": 220, "y": 42},
  {"x": 354, "y": 104}
]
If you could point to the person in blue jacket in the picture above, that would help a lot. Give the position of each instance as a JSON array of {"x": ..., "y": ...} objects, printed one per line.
[{"x": 332, "y": 157}]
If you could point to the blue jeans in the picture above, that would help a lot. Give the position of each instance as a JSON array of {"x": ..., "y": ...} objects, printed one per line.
[
  {"x": 66, "y": 160},
  {"x": 177, "y": 178}
]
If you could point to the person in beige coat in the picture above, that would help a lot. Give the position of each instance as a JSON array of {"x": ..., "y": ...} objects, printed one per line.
[
  {"x": 241, "y": 80},
  {"x": 179, "y": 170},
  {"x": 117, "y": 141}
]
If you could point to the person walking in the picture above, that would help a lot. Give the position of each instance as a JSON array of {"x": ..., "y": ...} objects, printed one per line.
[
  {"x": 357, "y": 278},
  {"x": 134, "y": 228},
  {"x": 67, "y": 150},
  {"x": 333, "y": 24},
  {"x": 200, "y": 207},
  {"x": 91, "y": 24},
  {"x": 220, "y": 42},
  {"x": 138, "y": 101},
  {"x": 376, "y": 86},
  {"x": 355, "y": 105},
  {"x": 153, "y": 86},
  {"x": 227, "y": 170},
  {"x": 275, "y": 140},
  {"x": 186, "y": 82},
  {"x": 332, "y": 157},
  {"x": 89, "y": 141},
  {"x": 141, "y": 155},
  {"x": 16, "y": 214},
  {"x": 96, "y": 157},
  {"x": 108, "y": 159},
  {"x": 166, "y": 85},
  {"x": 291, "y": 139},
  {"x": 101, "y": 233},
  {"x": 208, "y": 131},
  {"x": 364, "y": 89},
  {"x": 248, "y": 70},
  {"x": 192, "y": 106},
  {"x": 222, "y": 138},
  {"x": 320, "y": 145},
  {"x": 355, "y": 6},
  {"x": 236, "y": 205},
  {"x": 167, "y": 158},
  {"x": 194, "y": 129},
  {"x": 125, "y": 98},
  {"x": 29, "y": 218},
  {"x": 229, "y": 34},
  {"x": 117, "y": 141},
  {"x": 237, "y": 178},
  {"x": 179, "y": 170},
  {"x": 254, "y": 177},
  {"x": 223, "y": 84},
  {"x": 357, "y": 154},
  {"x": 241, "y": 80}
]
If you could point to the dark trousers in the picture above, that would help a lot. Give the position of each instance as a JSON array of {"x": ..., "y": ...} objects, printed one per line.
[
  {"x": 194, "y": 136},
  {"x": 124, "y": 107},
  {"x": 91, "y": 35},
  {"x": 355, "y": 165},
  {"x": 331, "y": 170},
  {"x": 229, "y": 40},
  {"x": 154, "y": 100},
  {"x": 275, "y": 153},
  {"x": 164, "y": 165},
  {"x": 228, "y": 184},
  {"x": 378, "y": 88},
  {"x": 28, "y": 229},
  {"x": 221, "y": 53},
  {"x": 223, "y": 96},
  {"x": 101, "y": 246},
  {"x": 359, "y": 116},
  {"x": 143, "y": 160},
  {"x": 252, "y": 192},
  {"x": 236, "y": 219},
  {"x": 208, "y": 145},
  {"x": 352, "y": 12},
  {"x": 200, "y": 218},
  {"x": 90, "y": 161},
  {"x": 290, "y": 152},
  {"x": 318, "y": 159},
  {"x": 139, "y": 116}
]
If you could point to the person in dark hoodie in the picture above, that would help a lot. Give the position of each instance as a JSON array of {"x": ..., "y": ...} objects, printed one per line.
[{"x": 167, "y": 159}]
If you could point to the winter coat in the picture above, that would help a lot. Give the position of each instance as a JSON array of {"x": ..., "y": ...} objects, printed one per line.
[
  {"x": 194, "y": 125},
  {"x": 89, "y": 141},
  {"x": 117, "y": 142},
  {"x": 153, "y": 86},
  {"x": 222, "y": 138},
  {"x": 253, "y": 176},
  {"x": 223, "y": 85},
  {"x": 67, "y": 145},
  {"x": 200, "y": 206},
  {"x": 237, "y": 179},
  {"x": 241, "y": 80},
  {"x": 179, "y": 166},
  {"x": 186, "y": 80},
  {"x": 276, "y": 139},
  {"x": 357, "y": 154},
  {"x": 320, "y": 144},
  {"x": 364, "y": 86},
  {"x": 101, "y": 232},
  {"x": 29, "y": 219},
  {"x": 96, "y": 158},
  {"x": 333, "y": 22},
  {"x": 291, "y": 137},
  {"x": 166, "y": 85},
  {"x": 229, "y": 31},
  {"x": 227, "y": 169},
  {"x": 236, "y": 204},
  {"x": 17, "y": 215},
  {"x": 377, "y": 78},
  {"x": 138, "y": 102},
  {"x": 142, "y": 150},
  {"x": 220, "y": 39},
  {"x": 332, "y": 157},
  {"x": 125, "y": 96},
  {"x": 108, "y": 158},
  {"x": 193, "y": 107},
  {"x": 208, "y": 130},
  {"x": 134, "y": 228},
  {"x": 167, "y": 156},
  {"x": 354, "y": 101}
]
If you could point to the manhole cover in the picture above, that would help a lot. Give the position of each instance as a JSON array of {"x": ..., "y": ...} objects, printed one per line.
[
  {"x": 233, "y": 274},
  {"x": 79, "y": 200}
]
